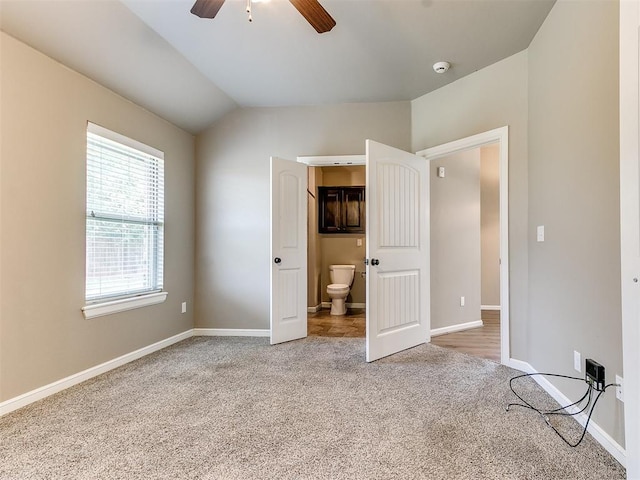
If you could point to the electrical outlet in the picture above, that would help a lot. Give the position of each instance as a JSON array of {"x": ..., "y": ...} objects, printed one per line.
[
  {"x": 619, "y": 388},
  {"x": 577, "y": 361},
  {"x": 462, "y": 301},
  {"x": 184, "y": 307}
]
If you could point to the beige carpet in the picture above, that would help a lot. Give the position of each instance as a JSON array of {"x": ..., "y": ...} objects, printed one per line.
[{"x": 237, "y": 408}]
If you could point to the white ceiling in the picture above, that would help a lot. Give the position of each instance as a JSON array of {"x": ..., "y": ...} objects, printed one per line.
[{"x": 192, "y": 71}]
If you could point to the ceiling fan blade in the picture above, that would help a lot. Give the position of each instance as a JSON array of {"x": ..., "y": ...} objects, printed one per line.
[
  {"x": 315, "y": 14},
  {"x": 206, "y": 8}
]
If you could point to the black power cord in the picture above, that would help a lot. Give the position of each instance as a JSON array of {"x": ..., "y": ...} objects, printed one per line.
[{"x": 563, "y": 410}]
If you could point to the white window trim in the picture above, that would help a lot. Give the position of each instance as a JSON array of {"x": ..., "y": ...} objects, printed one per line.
[
  {"x": 129, "y": 142},
  {"x": 124, "y": 304}
]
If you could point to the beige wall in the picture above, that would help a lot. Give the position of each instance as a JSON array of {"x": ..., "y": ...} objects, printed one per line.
[
  {"x": 489, "y": 98},
  {"x": 44, "y": 110},
  {"x": 347, "y": 175},
  {"x": 455, "y": 239},
  {"x": 574, "y": 276},
  {"x": 490, "y": 224},
  {"x": 232, "y": 185}
]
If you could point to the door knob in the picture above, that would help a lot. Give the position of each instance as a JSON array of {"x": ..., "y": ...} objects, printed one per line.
[
  {"x": 277, "y": 260},
  {"x": 375, "y": 261}
]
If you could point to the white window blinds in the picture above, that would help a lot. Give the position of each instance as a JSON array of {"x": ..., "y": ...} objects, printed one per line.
[{"x": 125, "y": 216}]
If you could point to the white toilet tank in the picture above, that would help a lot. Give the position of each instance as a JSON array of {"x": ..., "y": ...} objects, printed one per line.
[{"x": 342, "y": 274}]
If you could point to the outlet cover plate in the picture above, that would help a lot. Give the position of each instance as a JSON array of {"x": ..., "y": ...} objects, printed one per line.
[
  {"x": 619, "y": 388},
  {"x": 577, "y": 361}
]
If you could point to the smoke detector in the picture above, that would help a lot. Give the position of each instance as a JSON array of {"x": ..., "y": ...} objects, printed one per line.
[{"x": 441, "y": 67}]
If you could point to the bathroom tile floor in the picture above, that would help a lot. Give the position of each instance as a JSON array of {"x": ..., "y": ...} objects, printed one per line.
[{"x": 323, "y": 324}]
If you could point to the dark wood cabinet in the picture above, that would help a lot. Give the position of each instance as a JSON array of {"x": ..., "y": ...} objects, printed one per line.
[{"x": 341, "y": 210}]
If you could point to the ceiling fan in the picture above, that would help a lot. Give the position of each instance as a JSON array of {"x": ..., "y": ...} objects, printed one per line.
[{"x": 315, "y": 13}]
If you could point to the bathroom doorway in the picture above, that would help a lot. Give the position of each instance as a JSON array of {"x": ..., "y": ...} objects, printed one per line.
[{"x": 330, "y": 246}]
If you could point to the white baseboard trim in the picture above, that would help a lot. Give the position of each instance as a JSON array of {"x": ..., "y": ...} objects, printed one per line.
[
  {"x": 490, "y": 307},
  {"x": 602, "y": 437},
  {"x": 55, "y": 387},
  {"x": 456, "y": 328},
  {"x": 231, "y": 332},
  {"x": 355, "y": 305},
  {"x": 315, "y": 309},
  {"x": 348, "y": 305}
]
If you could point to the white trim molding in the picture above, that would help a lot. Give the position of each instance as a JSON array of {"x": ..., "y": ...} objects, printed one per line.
[
  {"x": 231, "y": 332},
  {"x": 602, "y": 437},
  {"x": 490, "y": 307},
  {"x": 329, "y": 160},
  {"x": 456, "y": 328},
  {"x": 315, "y": 309},
  {"x": 55, "y": 387},
  {"x": 123, "y": 304}
]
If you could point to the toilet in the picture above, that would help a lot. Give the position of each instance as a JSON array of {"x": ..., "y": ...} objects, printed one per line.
[{"x": 338, "y": 290}]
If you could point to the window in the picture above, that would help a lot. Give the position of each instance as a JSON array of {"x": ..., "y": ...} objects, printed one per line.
[{"x": 125, "y": 218}]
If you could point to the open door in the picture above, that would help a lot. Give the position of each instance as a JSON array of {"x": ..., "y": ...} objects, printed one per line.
[
  {"x": 398, "y": 292},
  {"x": 288, "y": 250}
]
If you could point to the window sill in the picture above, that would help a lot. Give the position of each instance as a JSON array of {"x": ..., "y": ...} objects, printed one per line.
[{"x": 115, "y": 306}]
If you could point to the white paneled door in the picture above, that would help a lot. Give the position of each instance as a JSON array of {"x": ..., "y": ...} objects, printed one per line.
[
  {"x": 288, "y": 250},
  {"x": 398, "y": 293}
]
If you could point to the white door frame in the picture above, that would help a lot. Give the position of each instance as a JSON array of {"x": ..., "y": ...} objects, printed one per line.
[
  {"x": 630, "y": 227},
  {"x": 501, "y": 137}
]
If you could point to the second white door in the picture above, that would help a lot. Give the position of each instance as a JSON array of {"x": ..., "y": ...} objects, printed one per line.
[{"x": 398, "y": 283}]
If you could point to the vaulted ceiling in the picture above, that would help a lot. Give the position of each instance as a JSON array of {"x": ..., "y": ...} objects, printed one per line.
[{"x": 192, "y": 71}]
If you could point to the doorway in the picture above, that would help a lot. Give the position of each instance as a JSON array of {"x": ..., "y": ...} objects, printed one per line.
[
  {"x": 465, "y": 251},
  {"x": 326, "y": 249},
  {"x": 498, "y": 137}
]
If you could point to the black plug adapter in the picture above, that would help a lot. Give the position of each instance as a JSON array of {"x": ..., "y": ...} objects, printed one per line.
[{"x": 595, "y": 373}]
